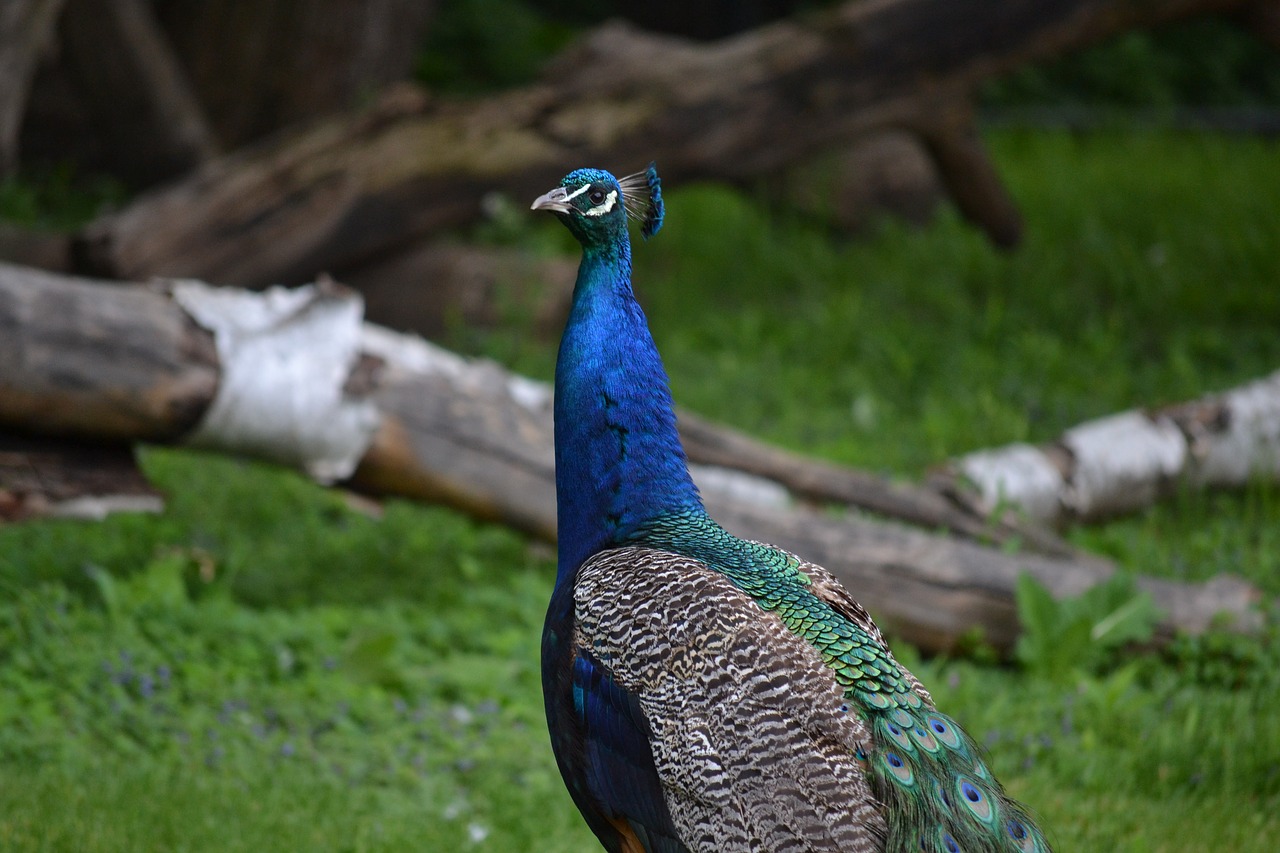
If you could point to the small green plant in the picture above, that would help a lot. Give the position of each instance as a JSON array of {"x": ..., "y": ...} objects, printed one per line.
[
  {"x": 1228, "y": 660},
  {"x": 466, "y": 53},
  {"x": 57, "y": 198},
  {"x": 1065, "y": 638},
  {"x": 1208, "y": 61}
]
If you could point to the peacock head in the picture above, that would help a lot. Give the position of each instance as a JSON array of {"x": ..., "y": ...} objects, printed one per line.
[{"x": 595, "y": 205}]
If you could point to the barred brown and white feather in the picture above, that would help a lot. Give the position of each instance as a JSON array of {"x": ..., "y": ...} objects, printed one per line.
[{"x": 754, "y": 743}]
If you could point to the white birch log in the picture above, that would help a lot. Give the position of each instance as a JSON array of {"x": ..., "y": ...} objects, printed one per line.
[{"x": 1127, "y": 461}]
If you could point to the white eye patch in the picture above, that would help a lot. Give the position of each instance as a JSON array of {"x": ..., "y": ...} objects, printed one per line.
[
  {"x": 579, "y": 191},
  {"x": 605, "y": 206}
]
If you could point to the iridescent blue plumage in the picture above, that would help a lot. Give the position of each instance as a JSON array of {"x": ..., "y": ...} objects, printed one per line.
[{"x": 704, "y": 692}]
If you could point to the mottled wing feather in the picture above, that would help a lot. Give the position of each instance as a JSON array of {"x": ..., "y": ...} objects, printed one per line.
[
  {"x": 752, "y": 740},
  {"x": 616, "y": 749},
  {"x": 601, "y": 743}
]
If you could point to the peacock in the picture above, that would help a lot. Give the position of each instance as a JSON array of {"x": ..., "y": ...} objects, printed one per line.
[{"x": 705, "y": 692}]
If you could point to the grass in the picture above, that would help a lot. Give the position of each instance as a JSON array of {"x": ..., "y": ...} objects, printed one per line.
[
  {"x": 264, "y": 668},
  {"x": 1147, "y": 276}
]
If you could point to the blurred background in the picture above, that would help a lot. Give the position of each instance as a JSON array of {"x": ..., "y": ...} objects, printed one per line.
[{"x": 898, "y": 233}]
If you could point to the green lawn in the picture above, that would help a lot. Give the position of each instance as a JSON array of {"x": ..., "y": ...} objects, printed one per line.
[{"x": 264, "y": 668}]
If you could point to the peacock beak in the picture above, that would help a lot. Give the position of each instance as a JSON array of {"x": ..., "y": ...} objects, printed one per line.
[{"x": 556, "y": 201}]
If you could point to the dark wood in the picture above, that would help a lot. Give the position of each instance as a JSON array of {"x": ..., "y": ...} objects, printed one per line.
[
  {"x": 971, "y": 178},
  {"x": 1263, "y": 17},
  {"x": 138, "y": 102},
  {"x": 432, "y": 288},
  {"x": 259, "y": 66},
  {"x": 42, "y": 249},
  {"x": 355, "y": 188},
  {"x": 26, "y": 27},
  {"x": 148, "y": 89},
  {"x": 42, "y": 476},
  {"x": 852, "y": 189},
  {"x": 332, "y": 198}
]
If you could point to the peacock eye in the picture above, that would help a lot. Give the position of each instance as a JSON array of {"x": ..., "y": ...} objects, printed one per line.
[{"x": 596, "y": 196}]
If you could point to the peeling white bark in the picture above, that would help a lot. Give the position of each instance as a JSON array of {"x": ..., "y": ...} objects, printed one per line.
[
  {"x": 1121, "y": 463},
  {"x": 1127, "y": 461},
  {"x": 285, "y": 355},
  {"x": 1242, "y": 441},
  {"x": 1019, "y": 475}
]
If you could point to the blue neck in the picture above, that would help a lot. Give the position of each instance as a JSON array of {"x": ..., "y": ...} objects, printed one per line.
[{"x": 619, "y": 463}]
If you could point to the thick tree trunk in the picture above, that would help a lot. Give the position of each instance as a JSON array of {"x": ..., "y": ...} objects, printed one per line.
[
  {"x": 299, "y": 379},
  {"x": 258, "y": 67},
  {"x": 148, "y": 89},
  {"x": 354, "y": 189},
  {"x": 26, "y": 26},
  {"x": 139, "y": 103}
]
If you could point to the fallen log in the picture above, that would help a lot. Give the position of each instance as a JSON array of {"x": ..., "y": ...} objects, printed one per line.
[
  {"x": 933, "y": 590},
  {"x": 823, "y": 482},
  {"x": 50, "y": 477},
  {"x": 433, "y": 288},
  {"x": 353, "y": 189},
  {"x": 296, "y": 377},
  {"x": 1127, "y": 461}
]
